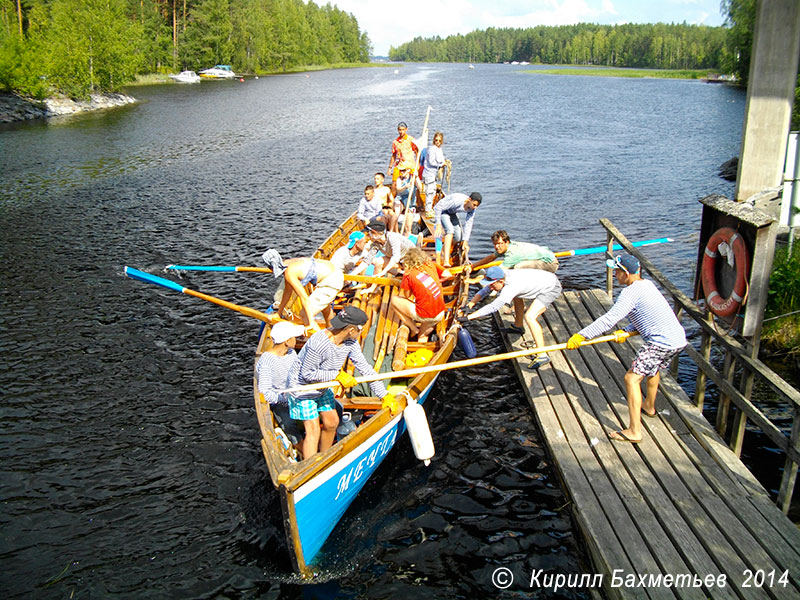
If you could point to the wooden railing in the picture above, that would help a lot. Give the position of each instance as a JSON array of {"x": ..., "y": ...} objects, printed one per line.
[{"x": 737, "y": 356}]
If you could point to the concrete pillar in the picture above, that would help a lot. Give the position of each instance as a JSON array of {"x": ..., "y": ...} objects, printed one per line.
[{"x": 770, "y": 93}]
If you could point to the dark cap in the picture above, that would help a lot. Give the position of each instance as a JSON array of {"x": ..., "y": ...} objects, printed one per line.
[
  {"x": 376, "y": 225},
  {"x": 402, "y": 124},
  {"x": 349, "y": 315},
  {"x": 476, "y": 196},
  {"x": 626, "y": 262}
]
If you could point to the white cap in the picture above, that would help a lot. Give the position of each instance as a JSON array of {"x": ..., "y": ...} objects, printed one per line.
[{"x": 283, "y": 330}]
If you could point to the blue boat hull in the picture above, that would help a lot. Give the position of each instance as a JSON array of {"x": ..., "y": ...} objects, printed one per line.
[{"x": 320, "y": 503}]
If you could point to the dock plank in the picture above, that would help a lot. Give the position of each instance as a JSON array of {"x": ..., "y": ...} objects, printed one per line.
[
  {"x": 678, "y": 503},
  {"x": 713, "y": 521}
]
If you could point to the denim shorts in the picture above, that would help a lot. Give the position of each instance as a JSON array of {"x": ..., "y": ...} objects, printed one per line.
[
  {"x": 451, "y": 226},
  {"x": 305, "y": 409}
]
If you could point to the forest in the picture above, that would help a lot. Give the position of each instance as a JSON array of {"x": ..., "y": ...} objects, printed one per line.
[
  {"x": 78, "y": 47},
  {"x": 655, "y": 46}
]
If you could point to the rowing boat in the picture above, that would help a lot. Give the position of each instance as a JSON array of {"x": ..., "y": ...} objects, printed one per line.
[{"x": 315, "y": 493}]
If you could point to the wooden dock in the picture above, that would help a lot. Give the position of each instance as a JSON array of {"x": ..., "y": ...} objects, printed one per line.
[{"x": 680, "y": 506}]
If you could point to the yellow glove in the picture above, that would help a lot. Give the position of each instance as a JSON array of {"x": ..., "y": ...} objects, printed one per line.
[
  {"x": 620, "y": 335},
  {"x": 346, "y": 379},
  {"x": 392, "y": 403},
  {"x": 575, "y": 341}
]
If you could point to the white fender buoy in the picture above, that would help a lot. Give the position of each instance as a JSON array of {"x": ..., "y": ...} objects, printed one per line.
[{"x": 418, "y": 431}]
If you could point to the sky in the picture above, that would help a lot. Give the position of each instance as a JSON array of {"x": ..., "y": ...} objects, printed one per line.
[{"x": 392, "y": 24}]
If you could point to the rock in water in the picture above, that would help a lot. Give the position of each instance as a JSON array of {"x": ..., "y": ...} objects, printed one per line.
[{"x": 728, "y": 169}]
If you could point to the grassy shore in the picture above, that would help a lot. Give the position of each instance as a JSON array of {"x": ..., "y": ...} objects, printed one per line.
[
  {"x": 620, "y": 72},
  {"x": 156, "y": 78}
]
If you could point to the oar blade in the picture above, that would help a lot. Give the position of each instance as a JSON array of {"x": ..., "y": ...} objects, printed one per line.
[{"x": 154, "y": 279}]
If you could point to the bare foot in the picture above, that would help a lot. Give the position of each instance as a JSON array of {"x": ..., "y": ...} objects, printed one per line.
[
  {"x": 624, "y": 436},
  {"x": 649, "y": 411}
]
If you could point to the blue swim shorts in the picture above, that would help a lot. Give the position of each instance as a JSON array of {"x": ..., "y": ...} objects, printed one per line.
[{"x": 305, "y": 409}]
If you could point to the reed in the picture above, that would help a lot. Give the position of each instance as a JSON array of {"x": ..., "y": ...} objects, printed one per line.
[{"x": 640, "y": 73}]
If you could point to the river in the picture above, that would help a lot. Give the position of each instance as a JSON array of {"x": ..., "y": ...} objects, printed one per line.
[{"x": 131, "y": 464}]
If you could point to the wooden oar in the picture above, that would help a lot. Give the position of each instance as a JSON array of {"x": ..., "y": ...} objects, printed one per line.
[
  {"x": 567, "y": 253},
  {"x": 231, "y": 269},
  {"x": 154, "y": 279},
  {"x": 480, "y": 360}
]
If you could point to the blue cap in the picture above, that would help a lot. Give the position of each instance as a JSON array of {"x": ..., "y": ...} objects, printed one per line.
[
  {"x": 493, "y": 274},
  {"x": 354, "y": 237},
  {"x": 626, "y": 262}
]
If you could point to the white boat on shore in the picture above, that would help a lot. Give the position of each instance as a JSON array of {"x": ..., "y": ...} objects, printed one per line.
[
  {"x": 218, "y": 72},
  {"x": 186, "y": 77}
]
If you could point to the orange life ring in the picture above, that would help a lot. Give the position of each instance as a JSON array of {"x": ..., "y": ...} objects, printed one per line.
[{"x": 725, "y": 307}]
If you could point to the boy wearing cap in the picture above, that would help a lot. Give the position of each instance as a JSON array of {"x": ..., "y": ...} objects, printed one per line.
[
  {"x": 350, "y": 257},
  {"x": 272, "y": 370},
  {"x": 650, "y": 316},
  {"x": 322, "y": 359},
  {"x": 515, "y": 286},
  {"x": 448, "y": 214}
]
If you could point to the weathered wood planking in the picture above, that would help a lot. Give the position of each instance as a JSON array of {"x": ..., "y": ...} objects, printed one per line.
[{"x": 678, "y": 503}]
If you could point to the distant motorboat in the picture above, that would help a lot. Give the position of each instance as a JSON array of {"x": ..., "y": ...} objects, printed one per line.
[
  {"x": 186, "y": 77},
  {"x": 472, "y": 66},
  {"x": 218, "y": 72}
]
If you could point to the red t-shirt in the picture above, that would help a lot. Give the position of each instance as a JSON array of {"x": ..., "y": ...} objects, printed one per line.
[{"x": 424, "y": 284}]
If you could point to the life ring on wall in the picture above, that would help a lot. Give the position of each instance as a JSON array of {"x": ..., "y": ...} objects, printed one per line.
[{"x": 725, "y": 307}]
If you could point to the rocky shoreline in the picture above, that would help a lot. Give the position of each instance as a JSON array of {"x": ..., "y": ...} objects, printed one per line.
[{"x": 15, "y": 108}]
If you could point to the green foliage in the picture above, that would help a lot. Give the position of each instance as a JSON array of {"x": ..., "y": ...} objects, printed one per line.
[
  {"x": 92, "y": 46},
  {"x": 655, "y": 46},
  {"x": 21, "y": 66},
  {"x": 796, "y": 107},
  {"x": 615, "y": 72},
  {"x": 208, "y": 34},
  {"x": 741, "y": 19},
  {"x": 78, "y": 47},
  {"x": 784, "y": 298}
]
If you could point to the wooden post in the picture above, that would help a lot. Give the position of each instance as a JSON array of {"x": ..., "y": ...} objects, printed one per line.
[
  {"x": 673, "y": 367},
  {"x": 728, "y": 371},
  {"x": 790, "y": 468},
  {"x": 700, "y": 383}
]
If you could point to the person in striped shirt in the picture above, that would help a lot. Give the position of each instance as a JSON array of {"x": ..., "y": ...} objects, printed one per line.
[
  {"x": 322, "y": 359},
  {"x": 272, "y": 372},
  {"x": 649, "y": 315}
]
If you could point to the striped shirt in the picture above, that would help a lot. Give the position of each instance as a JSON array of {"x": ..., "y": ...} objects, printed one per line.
[
  {"x": 649, "y": 314},
  {"x": 273, "y": 373},
  {"x": 453, "y": 205},
  {"x": 321, "y": 360}
]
